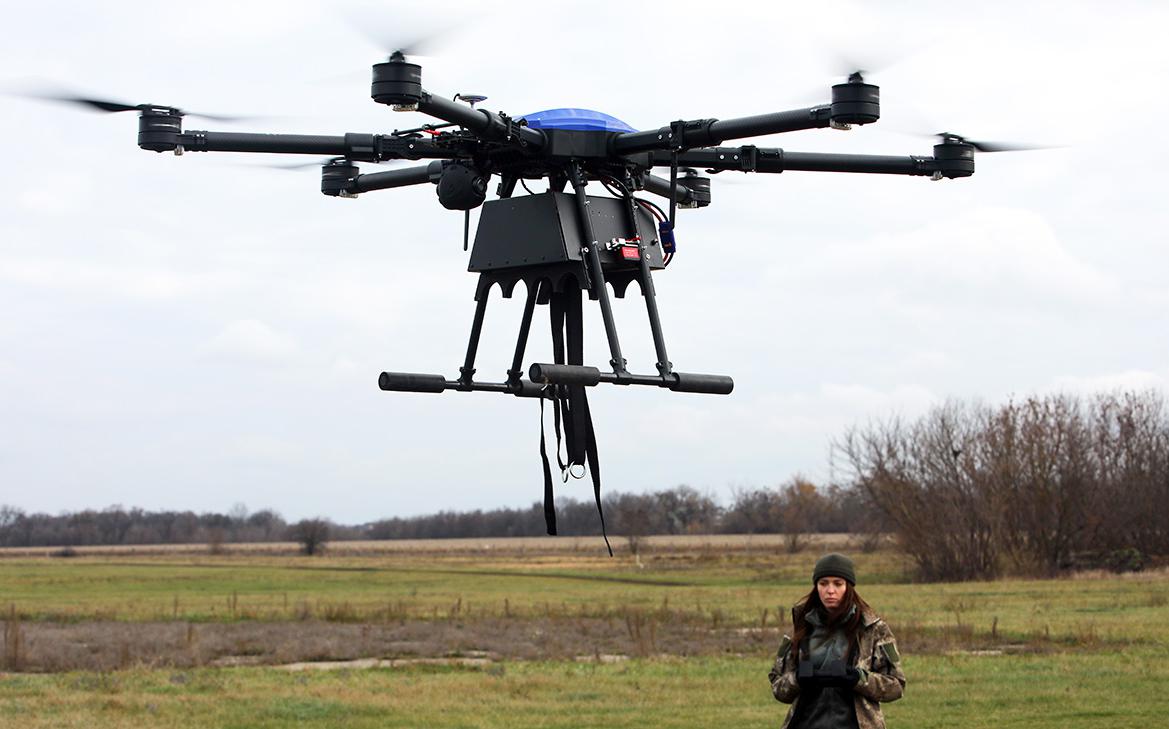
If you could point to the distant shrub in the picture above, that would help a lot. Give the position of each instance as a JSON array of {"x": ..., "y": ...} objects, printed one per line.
[{"x": 311, "y": 534}]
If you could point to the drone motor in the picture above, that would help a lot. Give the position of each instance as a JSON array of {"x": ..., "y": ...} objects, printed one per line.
[
  {"x": 699, "y": 187},
  {"x": 336, "y": 176},
  {"x": 955, "y": 157},
  {"x": 855, "y": 102},
  {"x": 159, "y": 128},
  {"x": 397, "y": 82}
]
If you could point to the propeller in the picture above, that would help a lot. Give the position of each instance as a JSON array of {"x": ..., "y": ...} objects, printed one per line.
[
  {"x": 321, "y": 162},
  {"x": 850, "y": 69},
  {"x": 424, "y": 37},
  {"x": 110, "y": 106},
  {"x": 690, "y": 172},
  {"x": 854, "y": 71},
  {"x": 300, "y": 165},
  {"x": 952, "y": 138}
]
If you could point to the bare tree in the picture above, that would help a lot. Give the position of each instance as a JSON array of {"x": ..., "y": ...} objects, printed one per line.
[
  {"x": 801, "y": 506},
  {"x": 1037, "y": 485},
  {"x": 924, "y": 483},
  {"x": 311, "y": 534}
]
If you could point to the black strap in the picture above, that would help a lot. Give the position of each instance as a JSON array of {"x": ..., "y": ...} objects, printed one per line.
[
  {"x": 595, "y": 469},
  {"x": 577, "y": 426},
  {"x": 556, "y": 309},
  {"x": 549, "y": 498},
  {"x": 570, "y": 405}
]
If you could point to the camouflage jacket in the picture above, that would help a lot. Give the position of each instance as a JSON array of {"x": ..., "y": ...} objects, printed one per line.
[{"x": 881, "y": 675}]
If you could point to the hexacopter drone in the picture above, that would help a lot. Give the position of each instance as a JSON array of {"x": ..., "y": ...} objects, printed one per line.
[{"x": 561, "y": 244}]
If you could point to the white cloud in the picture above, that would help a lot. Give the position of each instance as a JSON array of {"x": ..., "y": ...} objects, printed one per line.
[
  {"x": 864, "y": 399},
  {"x": 1110, "y": 381},
  {"x": 1010, "y": 250},
  {"x": 265, "y": 449},
  {"x": 251, "y": 339},
  {"x": 122, "y": 279},
  {"x": 924, "y": 360}
]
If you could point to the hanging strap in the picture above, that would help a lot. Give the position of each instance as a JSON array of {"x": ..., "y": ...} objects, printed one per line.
[
  {"x": 577, "y": 425},
  {"x": 570, "y": 406},
  {"x": 556, "y": 310},
  {"x": 595, "y": 469},
  {"x": 554, "y": 393},
  {"x": 549, "y": 497}
]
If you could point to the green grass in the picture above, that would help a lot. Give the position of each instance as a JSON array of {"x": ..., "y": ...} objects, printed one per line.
[
  {"x": 1086, "y": 689},
  {"x": 1102, "y": 657},
  {"x": 730, "y": 589}
]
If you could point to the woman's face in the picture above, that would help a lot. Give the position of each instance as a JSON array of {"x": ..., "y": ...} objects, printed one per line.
[{"x": 832, "y": 591}]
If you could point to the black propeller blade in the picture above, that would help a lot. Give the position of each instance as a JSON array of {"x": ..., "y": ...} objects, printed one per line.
[
  {"x": 300, "y": 165},
  {"x": 318, "y": 162},
  {"x": 989, "y": 146},
  {"x": 110, "y": 106},
  {"x": 424, "y": 38}
]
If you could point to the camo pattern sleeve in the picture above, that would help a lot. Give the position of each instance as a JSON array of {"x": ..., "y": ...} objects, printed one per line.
[
  {"x": 885, "y": 681},
  {"x": 783, "y": 674}
]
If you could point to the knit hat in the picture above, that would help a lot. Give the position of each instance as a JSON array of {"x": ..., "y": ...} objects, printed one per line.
[{"x": 835, "y": 565}]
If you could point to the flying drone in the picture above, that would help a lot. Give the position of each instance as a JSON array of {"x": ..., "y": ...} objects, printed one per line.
[{"x": 564, "y": 242}]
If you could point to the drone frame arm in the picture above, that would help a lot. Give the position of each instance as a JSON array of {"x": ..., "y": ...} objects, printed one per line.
[
  {"x": 761, "y": 159},
  {"x": 395, "y": 178},
  {"x": 706, "y": 132},
  {"x": 488, "y": 125},
  {"x": 661, "y": 186},
  {"x": 204, "y": 141},
  {"x": 352, "y": 146}
]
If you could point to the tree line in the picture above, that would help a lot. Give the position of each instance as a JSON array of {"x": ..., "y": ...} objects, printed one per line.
[
  {"x": 798, "y": 506},
  {"x": 970, "y": 491}
]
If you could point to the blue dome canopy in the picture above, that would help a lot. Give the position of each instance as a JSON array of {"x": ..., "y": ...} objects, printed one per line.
[{"x": 583, "y": 120}]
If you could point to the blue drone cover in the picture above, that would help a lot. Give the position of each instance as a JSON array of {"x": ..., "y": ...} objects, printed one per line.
[{"x": 583, "y": 120}]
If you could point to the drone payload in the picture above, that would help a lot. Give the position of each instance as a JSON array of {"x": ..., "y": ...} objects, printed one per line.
[{"x": 564, "y": 242}]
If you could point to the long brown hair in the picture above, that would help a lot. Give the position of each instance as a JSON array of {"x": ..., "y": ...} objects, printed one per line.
[{"x": 852, "y": 624}]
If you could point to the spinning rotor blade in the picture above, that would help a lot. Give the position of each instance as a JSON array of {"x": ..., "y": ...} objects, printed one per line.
[
  {"x": 321, "y": 162},
  {"x": 100, "y": 104},
  {"x": 845, "y": 68},
  {"x": 723, "y": 177},
  {"x": 300, "y": 165},
  {"x": 113, "y": 107},
  {"x": 423, "y": 39},
  {"x": 990, "y": 146},
  {"x": 864, "y": 62}
]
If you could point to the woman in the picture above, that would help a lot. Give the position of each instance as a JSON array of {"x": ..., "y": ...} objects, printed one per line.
[{"x": 841, "y": 661}]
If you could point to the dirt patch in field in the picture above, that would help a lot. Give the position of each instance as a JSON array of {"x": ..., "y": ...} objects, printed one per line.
[
  {"x": 45, "y": 646},
  {"x": 50, "y": 647},
  {"x": 524, "y": 547}
]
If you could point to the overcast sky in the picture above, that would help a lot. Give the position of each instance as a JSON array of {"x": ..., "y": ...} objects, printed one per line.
[{"x": 195, "y": 332}]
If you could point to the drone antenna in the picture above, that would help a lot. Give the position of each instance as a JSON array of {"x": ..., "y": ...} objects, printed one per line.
[{"x": 471, "y": 99}]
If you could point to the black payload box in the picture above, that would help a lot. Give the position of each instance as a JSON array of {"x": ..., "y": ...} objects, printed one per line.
[{"x": 544, "y": 230}]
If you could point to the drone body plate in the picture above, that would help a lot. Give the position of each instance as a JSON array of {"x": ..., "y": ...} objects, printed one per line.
[{"x": 542, "y": 230}]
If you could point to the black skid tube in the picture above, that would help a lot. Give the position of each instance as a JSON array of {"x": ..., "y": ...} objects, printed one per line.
[
  {"x": 557, "y": 374},
  {"x": 414, "y": 382}
]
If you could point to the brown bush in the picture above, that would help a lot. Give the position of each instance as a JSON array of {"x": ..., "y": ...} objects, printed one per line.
[{"x": 1031, "y": 486}]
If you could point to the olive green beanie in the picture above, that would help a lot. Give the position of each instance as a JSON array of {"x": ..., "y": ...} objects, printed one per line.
[{"x": 835, "y": 565}]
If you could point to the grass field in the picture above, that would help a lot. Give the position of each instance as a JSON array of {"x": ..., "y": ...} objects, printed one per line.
[
  {"x": 979, "y": 692},
  {"x": 522, "y": 636}
]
